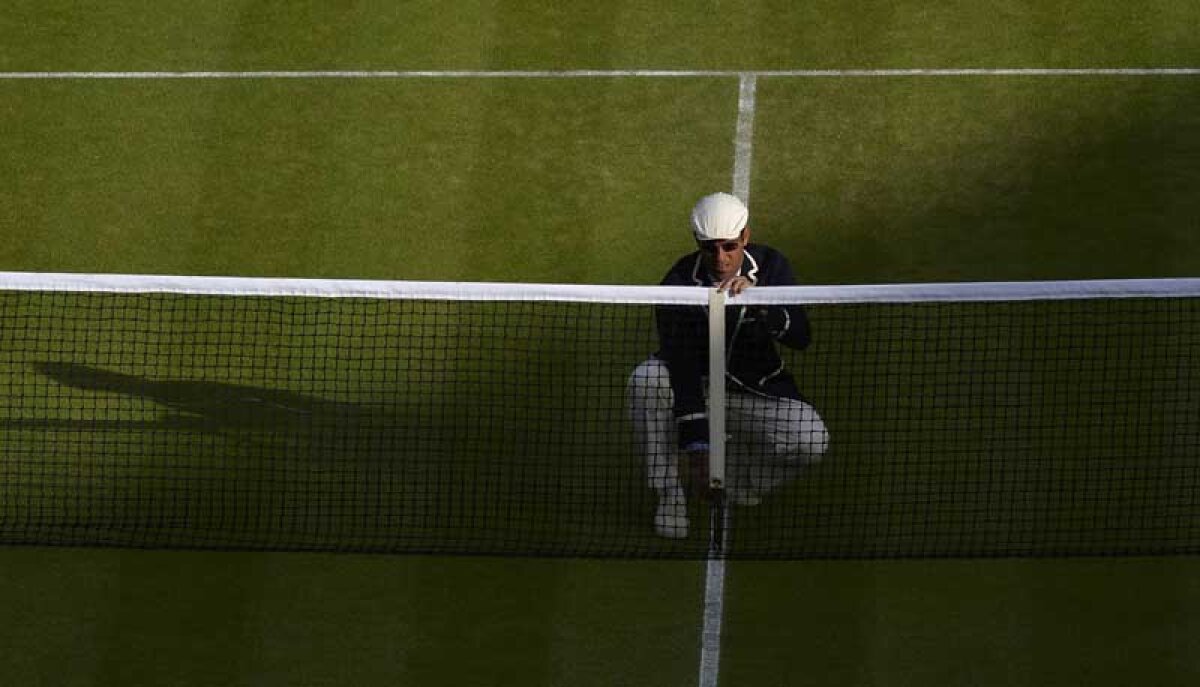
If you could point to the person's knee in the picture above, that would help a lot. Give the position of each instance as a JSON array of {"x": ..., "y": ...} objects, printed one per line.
[
  {"x": 650, "y": 382},
  {"x": 806, "y": 444},
  {"x": 816, "y": 442}
]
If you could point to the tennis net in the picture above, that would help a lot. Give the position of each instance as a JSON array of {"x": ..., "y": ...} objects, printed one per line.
[{"x": 1025, "y": 419}]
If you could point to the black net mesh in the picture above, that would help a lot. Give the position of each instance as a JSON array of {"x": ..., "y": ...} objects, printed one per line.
[{"x": 511, "y": 428}]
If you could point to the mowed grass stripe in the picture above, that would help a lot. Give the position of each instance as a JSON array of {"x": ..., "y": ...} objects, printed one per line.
[
  {"x": 238, "y": 35},
  {"x": 980, "y": 179},
  {"x": 495, "y": 181}
]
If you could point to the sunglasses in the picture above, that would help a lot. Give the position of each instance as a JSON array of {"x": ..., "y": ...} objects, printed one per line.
[{"x": 720, "y": 246}]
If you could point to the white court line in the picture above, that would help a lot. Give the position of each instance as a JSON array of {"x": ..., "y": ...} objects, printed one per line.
[
  {"x": 714, "y": 615},
  {"x": 596, "y": 73},
  {"x": 714, "y": 574},
  {"x": 743, "y": 142}
]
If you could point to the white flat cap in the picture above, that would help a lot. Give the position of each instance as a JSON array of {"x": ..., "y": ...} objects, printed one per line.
[{"x": 719, "y": 216}]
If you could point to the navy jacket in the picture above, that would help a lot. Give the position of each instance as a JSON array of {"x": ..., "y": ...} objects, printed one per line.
[{"x": 750, "y": 339}]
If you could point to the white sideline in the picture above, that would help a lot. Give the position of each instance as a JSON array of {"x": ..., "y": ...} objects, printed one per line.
[
  {"x": 593, "y": 293},
  {"x": 598, "y": 73}
]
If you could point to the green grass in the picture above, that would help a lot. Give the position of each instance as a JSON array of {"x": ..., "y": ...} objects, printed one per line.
[
  {"x": 859, "y": 180},
  {"x": 985, "y": 622},
  {"x": 98, "y": 618},
  {"x": 235, "y": 34},
  {"x": 360, "y": 179},
  {"x": 980, "y": 179}
]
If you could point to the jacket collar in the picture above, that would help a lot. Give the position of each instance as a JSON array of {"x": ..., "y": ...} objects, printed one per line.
[{"x": 749, "y": 269}]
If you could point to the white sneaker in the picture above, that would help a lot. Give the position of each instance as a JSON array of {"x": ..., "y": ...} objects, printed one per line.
[{"x": 670, "y": 519}]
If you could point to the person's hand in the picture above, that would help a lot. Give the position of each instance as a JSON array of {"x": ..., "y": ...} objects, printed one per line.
[
  {"x": 735, "y": 285},
  {"x": 773, "y": 321}
]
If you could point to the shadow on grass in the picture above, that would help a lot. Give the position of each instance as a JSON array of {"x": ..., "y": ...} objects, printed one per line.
[
  {"x": 197, "y": 405},
  {"x": 265, "y": 469}
]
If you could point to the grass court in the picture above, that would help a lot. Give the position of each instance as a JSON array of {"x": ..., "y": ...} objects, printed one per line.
[{"x": 519, "y": 171}]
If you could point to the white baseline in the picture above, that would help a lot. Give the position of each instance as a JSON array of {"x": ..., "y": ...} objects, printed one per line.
[{"x": 597, "y": 73}]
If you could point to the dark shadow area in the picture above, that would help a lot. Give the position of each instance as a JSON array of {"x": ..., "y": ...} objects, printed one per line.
[
  {"x": 210, "y": 465},
  {"x": 197, "y": 405}
]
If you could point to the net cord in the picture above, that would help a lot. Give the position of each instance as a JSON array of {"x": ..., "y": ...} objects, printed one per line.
[{"x": 590, "y": 293}]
